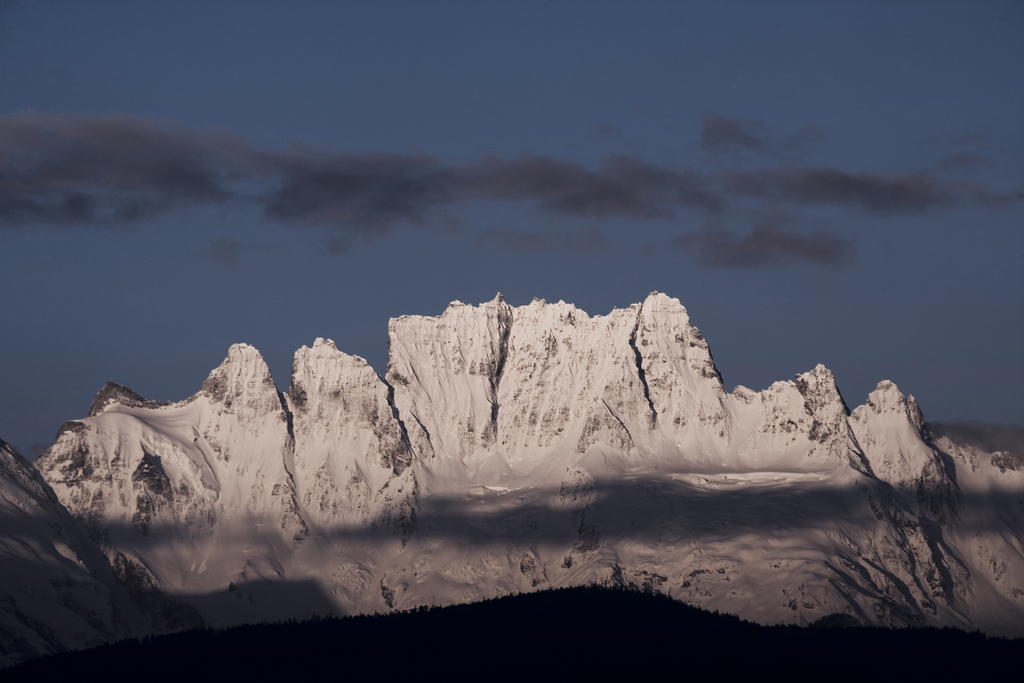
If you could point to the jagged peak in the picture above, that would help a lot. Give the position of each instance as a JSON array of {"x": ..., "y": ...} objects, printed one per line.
[
  {"x": 242, "y": 370},
  {"x": 667, "y": 310},
  {"x": 665, "y": 302},
  {"x": 887, "y": 386},
  {"x": 245, "y": 360},
  {"x": 819, "y": 375},
  {"x": 819, "y": 389},
  {"x": 460, "y": 311},
  {"x": 114, "y": 393},
  {"x": 243, "y": 353},
  {"x": 458, "y": 308},
  {"x": 663, "y": 320},
  {"x": 556, "y": 309},
  {"x": 320, "y": 341},
  {"x": 887, "y": 398},
  {"x": 497, "y": 300},
  {"x": 323, "y": 350},
  {"x": 323, "y": 368},
  {"x": 654, "y": 303}
]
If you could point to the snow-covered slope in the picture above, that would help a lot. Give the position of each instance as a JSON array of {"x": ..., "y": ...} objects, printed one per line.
[
  {"x": 57, "y": 591},
  {"x": 351, "y": 450},
  {"x": 510, "y": 449}
]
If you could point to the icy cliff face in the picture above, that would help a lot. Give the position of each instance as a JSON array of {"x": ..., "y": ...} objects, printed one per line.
[
  {"x": 57, "y": 591},
  {"x": 446, "y": 372},
  {"x": 890, "y": 429},
  {"x": 225, "y": 488},
  {"x": 510, "y": 449},
  {"x": 187, "y": 472},
  {"x": 351, "y": 449}
]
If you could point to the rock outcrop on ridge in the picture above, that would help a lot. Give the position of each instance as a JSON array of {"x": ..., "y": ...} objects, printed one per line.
[{"x": 508, "y": 449}]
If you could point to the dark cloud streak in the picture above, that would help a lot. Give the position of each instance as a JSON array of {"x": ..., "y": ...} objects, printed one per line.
[
  {"x": 764, "y": 246},
  {"x": 59, "y": 170},
  {"x": 373, "y": 193},
  {"x": 964, "y": 161},
  {"x": 911, "y": 193},
  {"x": 65, "y": 170},
  {"x": 725, "y": 136}
]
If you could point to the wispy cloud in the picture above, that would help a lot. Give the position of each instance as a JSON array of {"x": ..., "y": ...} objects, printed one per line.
[
  {"x": 964, "y": 161},
  {"x": 880, "y": 193},
  {"x": 61, "y": 170},
  {"x": 374, "y": 192},
  {"x": 66, "y": 170},
  {"x": 117, "y": 169},
  {"x": 725, "y": 136},
  {"x": 719, "y": 247}
]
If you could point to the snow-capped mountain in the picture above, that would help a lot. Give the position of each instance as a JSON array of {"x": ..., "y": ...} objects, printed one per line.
[
  {"x": 511, "y": 449},
  {"x": 57, "y": 590}
]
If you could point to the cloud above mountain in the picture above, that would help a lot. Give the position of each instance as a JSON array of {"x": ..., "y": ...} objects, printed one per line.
[
  {"x": 117, "y": 170},
  {"x": 718, "y": 247}
]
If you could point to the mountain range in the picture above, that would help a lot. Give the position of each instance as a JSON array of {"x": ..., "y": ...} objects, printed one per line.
[{"x": 505, "y": 450}]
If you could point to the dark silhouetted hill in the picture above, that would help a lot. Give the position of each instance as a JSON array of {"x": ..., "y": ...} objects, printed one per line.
[{"x": 564, "y": 634}]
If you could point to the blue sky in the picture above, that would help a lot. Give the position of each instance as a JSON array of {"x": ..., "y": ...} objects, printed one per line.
[{"x": 816, "y": 182}]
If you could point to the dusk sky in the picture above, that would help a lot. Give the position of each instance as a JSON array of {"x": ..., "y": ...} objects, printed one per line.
[{"x": 837, "y": 183}]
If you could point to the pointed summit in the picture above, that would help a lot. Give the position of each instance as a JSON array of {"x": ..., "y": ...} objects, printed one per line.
[
  {"x": 320, "y": 341},
  {"x": 242, "y": 383},
  {"x": 664, "y": 302},
  {"x": 320, "y": 370},
  {"x": 820, "y": 390},
  {"x": 887, "y": 398},
  {"x": 890, "y": 429}
]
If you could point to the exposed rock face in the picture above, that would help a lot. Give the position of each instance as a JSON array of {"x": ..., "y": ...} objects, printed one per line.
[
  {"x": 682, "y": 382},
  {"x": 116, "y": 393},
  {"x": 510, "y": 449},
  {"x": 446, "y": 372},
  {"x": 349, "y": 443}
]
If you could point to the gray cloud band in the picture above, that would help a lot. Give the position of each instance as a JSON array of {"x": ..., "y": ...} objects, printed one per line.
[
  {"x": 91, "y": 170},
  {"x": 116, "y": 170}
]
